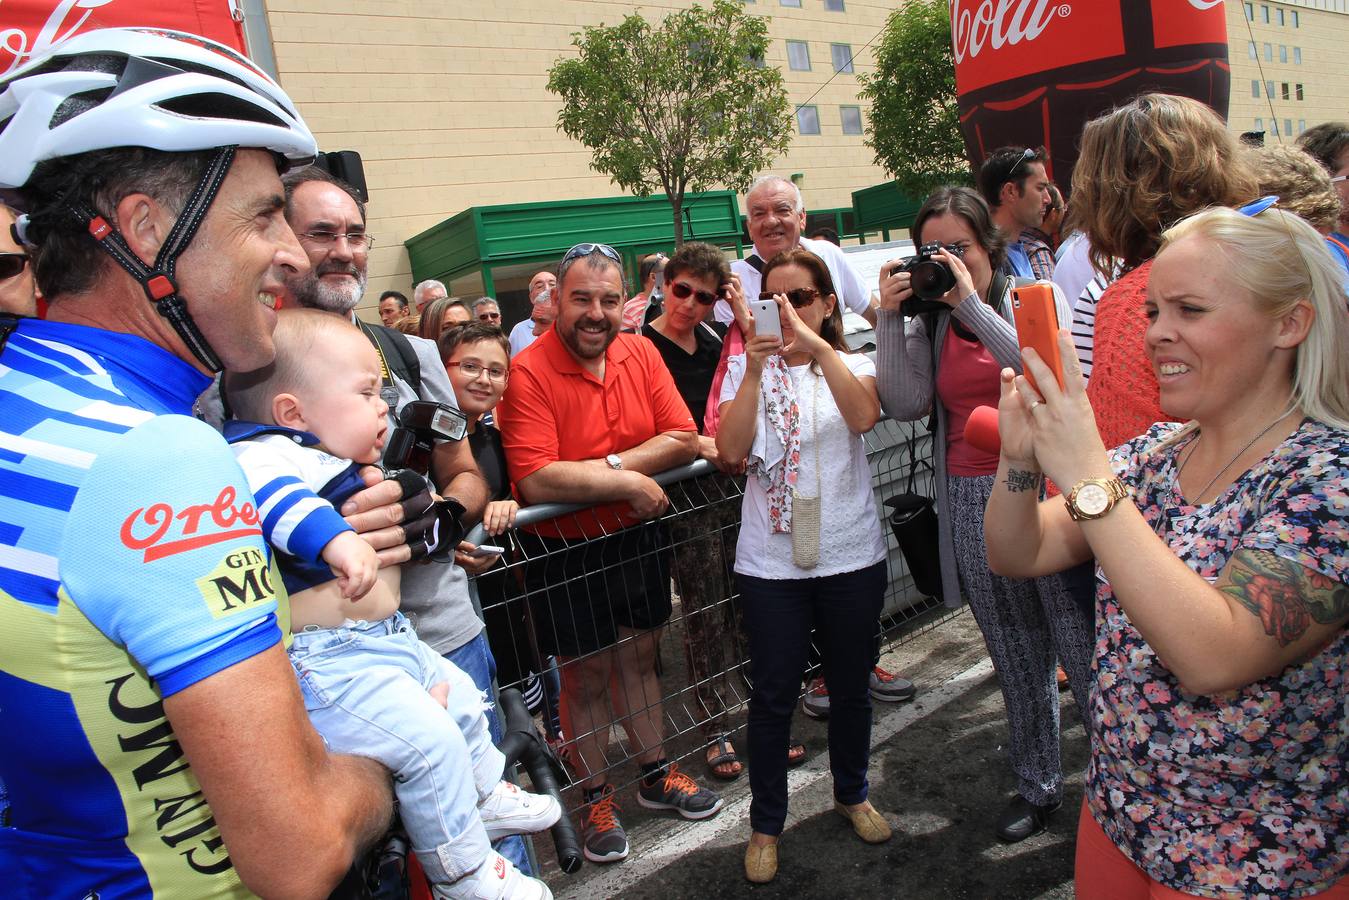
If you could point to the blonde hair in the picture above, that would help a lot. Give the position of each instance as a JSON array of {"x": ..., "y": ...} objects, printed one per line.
[
  {"x": 250, "y": 394},
  {"x": 1281, "y": 260},
  {"x": 1302, "y": 186},
  {"x": 1145, "y": 166}
]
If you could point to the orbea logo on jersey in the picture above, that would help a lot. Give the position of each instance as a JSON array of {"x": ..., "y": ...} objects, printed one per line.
[{"x": 162, "y": 531}]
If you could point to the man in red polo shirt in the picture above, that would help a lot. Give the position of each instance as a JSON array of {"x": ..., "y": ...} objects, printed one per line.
[{"x": 589, "y": 415}]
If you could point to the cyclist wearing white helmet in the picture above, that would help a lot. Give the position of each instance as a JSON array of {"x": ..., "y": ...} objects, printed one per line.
[{"x": 155, "y": 742}]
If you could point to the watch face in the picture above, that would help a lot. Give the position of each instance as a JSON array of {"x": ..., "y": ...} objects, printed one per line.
[{"x": 1092, "y": 499}]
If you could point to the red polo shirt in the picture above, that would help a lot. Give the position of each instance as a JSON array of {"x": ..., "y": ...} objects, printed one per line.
[{"x": 554, "y": 410}]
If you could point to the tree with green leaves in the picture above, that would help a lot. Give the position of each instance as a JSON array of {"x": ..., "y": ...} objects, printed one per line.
[
  {"x": 683, "y": 105},
  {"x": 915, "y": 129}
]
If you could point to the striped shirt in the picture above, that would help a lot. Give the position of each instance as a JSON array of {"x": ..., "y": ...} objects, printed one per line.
[{"x": 132, "y": 566}]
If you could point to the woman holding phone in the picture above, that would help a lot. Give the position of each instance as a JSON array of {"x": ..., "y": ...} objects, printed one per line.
[
  {"x": 1218, "y": 718},
  {"x": 950, "y": 360},
  {"x": 810, "y": 551}
]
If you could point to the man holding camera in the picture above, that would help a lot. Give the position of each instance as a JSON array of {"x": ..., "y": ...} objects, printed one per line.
[
  {"x": 776, "y": 214},
  {"x": 1014, "y": 183}
]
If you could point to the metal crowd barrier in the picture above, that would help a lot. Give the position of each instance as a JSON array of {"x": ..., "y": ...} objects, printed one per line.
[{"x": 701, "y": 669}]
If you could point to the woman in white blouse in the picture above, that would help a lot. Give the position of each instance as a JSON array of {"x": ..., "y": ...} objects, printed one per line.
[{"x": 811, "y": 551}]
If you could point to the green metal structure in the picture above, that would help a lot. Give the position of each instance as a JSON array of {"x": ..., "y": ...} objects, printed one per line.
[{"x": 882, "y": 207}]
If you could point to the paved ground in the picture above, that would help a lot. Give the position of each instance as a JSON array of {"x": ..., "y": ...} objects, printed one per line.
[{"x": 939, "y": 773}]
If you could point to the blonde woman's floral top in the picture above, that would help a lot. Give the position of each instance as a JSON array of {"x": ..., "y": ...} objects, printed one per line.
[{"x": 1244, "y": 793}]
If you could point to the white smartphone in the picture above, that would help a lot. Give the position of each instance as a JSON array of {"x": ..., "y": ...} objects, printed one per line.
[
  {"x": 487, "y": 550},
  {"x": 767, "y": 319}
]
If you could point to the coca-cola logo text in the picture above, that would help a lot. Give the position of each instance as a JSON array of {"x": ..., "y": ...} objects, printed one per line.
[
  {"x": 14, "y": 41},
  {"x": 1000, "y": 23},
  {"x": 152, "y": 528}
]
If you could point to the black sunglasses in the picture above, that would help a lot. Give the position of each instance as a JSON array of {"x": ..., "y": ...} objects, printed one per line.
[
  {"x": 12, "y": 264},
  {"x": 800, "y": 298},
  {"x": 683, "y": 290}
]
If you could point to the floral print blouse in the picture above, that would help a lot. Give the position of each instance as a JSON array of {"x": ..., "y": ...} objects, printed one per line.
[{"x": 1243, "y": 793}]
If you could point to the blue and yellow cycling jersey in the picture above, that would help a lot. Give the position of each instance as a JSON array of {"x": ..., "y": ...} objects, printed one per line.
[{"x": 132, "y": 566}]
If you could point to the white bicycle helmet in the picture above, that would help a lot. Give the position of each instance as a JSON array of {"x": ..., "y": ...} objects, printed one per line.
[{"x": 141, "y": 87}]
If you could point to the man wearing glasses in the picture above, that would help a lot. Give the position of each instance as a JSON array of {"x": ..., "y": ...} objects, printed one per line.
[
  {"x": 775, "y": 215},
  {"x": 589, "y": 415},
  {"x": 427, "y": 291},
  {"x": 17, "y": 294},
  {"x": 1014, "y": 183},
  {"x": 486, "y": 311},
  {"x": 542, "y": 312}
]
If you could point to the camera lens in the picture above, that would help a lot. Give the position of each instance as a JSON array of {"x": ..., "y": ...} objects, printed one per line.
[{"x": 931, "y": 278}]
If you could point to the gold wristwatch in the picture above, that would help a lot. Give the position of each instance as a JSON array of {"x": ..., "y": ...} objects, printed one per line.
[{"x": 1092, "y": 498}]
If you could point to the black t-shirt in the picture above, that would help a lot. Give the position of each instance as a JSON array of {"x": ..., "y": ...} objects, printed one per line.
[
  {"x": 490, "y": 456},
  {"x": 692, "y": 373}
]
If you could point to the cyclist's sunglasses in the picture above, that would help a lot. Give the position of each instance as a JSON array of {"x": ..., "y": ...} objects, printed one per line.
[{"x": 12, "y": 264}]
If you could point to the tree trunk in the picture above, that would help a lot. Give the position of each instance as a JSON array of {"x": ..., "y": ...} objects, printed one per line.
[{"x": 677, "y": 204}]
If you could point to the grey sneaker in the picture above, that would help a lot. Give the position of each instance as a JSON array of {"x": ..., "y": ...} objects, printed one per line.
[
  {"x": 603, "y": 839},
  {"x": 816, "y": 701},
  {"x": 681, "y": 793},
  {"x": 890, "y": 687}
]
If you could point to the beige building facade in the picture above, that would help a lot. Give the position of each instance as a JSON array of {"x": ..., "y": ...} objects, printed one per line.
[
  {"x": 448, "y": 106},
  {"x": 447, "y": 102}
]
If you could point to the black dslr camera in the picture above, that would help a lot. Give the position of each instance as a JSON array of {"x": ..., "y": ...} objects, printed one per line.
[
  {"x": 930, "y": 277},
  {"x": 420, "y": 424}
]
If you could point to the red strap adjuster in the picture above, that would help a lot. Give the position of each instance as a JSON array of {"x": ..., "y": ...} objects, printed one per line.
[
  {"x": 160, "y": 287},
  {"x": 99, "y": 228}
]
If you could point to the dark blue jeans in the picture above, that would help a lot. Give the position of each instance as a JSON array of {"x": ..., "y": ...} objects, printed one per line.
[{"x": 778, "y": 616}]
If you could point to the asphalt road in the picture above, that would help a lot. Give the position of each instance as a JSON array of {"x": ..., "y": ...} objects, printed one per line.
[{"x": 939, "y": 774}]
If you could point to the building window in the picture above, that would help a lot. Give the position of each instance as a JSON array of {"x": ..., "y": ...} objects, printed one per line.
[
  {"x": 1255, "y": 89},
  {"x": 1283, "y": 90},
  {"x": 1280, "y": 12},
  {"x": 1264, "y": 14},
  {"x": 1297, "y": 56},
  {"x": 1298, "y": 91},
  {"x": 796, "y": 3},
  {"x": 798, "y": 56},
  {"x": 1301, "y": 125},
  {"x": 833, "y": 5},
  {"x": 852, "y": 119},
  {"x": 1250, "y": 50},
  {"x": 1259, "y": 124},
  {"x": 1274, "y": 127},
  {"x": 1296, "y": 23},
  {"x": 808, "y": 120},
  {"x": 1269, "y": 90},
  {"x": 1269, "y": 53},
  {"x": 1283, "y": 53},
  {"x": 1250, "y": 12},
  {"x": 842, "y": 54},
  {"x": 1287, "y": 127}
]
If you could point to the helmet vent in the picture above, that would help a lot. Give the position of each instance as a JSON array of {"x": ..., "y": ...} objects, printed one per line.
[{"x": 211, "y": 105}]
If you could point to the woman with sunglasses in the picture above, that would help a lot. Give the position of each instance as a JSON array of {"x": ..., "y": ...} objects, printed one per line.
[
  {"x": 1218, "y": 719},
  {"x": 706, "y": 511},
  {"x": 17, "y": 293},
  {"x": 810, "y": 552},
  {"x": 949, "y": 361}
]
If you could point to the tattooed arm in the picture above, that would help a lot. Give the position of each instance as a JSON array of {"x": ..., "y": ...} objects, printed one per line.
[
  {"x": 1026, "y": 538},
  {"x": 1298, "y": 609}
]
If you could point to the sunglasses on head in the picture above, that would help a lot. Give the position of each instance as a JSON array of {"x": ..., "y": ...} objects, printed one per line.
[
  {"x": 800, "y": 298},
  {"x": 1024, "y": 158},
  {"x": 12, "y": 264},
  {"x": 586, "y": 249},
  {"x": 683, "y": 290}
]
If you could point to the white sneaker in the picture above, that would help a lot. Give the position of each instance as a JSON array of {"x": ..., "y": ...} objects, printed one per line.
[
  {"x": 496, "y": 879},
  {"x": 509, "y": 810}
]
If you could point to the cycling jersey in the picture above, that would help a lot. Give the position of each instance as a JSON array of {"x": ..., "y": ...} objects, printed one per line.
[{"x": 132, "y": 566}]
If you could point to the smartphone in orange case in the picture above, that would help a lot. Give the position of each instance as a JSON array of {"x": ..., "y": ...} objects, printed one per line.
[{"x": 1037, "y": 326}]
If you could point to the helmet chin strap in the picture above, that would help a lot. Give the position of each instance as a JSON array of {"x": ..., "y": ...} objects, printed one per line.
[{"x": 158, "y": 281}]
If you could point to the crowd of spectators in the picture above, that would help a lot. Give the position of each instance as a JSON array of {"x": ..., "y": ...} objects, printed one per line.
[{"x": 1167, "y": 524}]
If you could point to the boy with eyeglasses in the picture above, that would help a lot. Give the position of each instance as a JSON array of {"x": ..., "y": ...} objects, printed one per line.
[{"x": 308, "y": 422}]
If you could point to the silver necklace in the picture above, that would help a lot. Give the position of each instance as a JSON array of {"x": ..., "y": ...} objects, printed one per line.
[{"x": 1249, "y": 445}]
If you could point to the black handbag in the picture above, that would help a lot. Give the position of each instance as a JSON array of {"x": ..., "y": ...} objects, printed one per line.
[{"x": 913, "y": 519}]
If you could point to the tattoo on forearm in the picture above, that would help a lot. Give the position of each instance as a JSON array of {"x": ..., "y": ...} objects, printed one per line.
[
  {"x": 1019, "y": 480},
  {"x": 1287, "y": 597}
]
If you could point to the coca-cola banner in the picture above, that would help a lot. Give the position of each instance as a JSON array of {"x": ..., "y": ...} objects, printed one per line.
[
  {"x": 1033, "y": 72},
  {"x": 30, "y": 27}
]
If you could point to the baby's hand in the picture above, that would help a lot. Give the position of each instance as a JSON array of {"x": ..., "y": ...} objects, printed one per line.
[{"x": 354, "y": 562}]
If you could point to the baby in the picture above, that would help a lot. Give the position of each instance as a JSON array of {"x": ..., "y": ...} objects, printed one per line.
[{"x": 305, "y": 425}]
